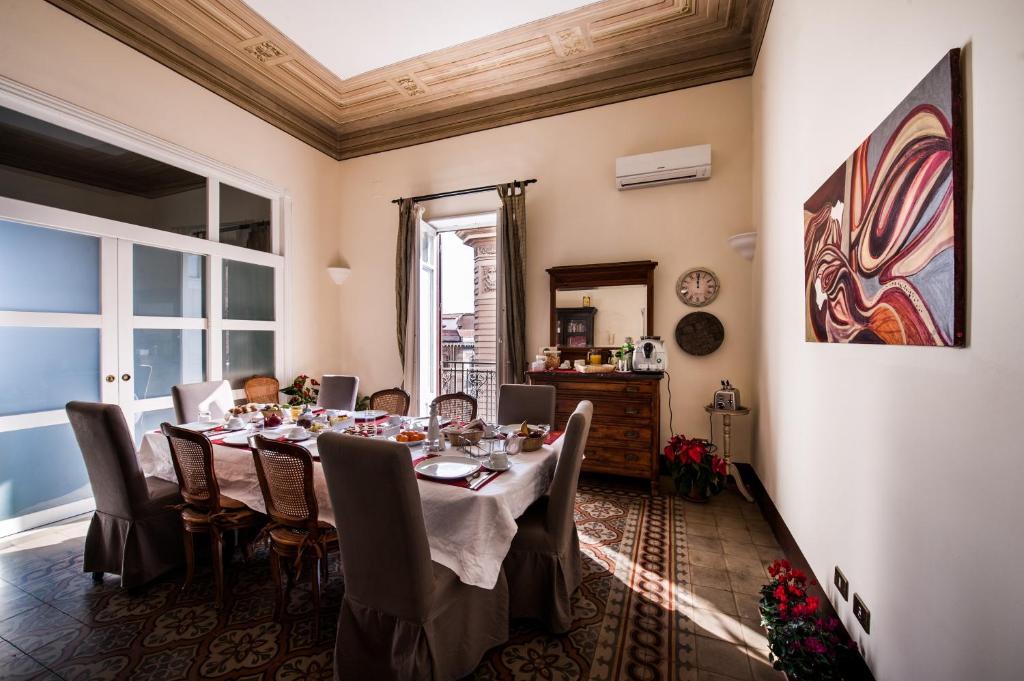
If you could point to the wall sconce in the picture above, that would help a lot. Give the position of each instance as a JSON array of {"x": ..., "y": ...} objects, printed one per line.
[
  {"x": 339, "y": 274},
  {"x": 744, "y": 244}
]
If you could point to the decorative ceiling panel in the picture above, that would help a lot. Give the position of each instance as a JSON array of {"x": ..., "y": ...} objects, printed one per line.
[{"x": 606, "y": 52}]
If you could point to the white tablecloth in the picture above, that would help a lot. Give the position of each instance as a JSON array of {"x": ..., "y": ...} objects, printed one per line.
[{"x": 469, "y": 531}]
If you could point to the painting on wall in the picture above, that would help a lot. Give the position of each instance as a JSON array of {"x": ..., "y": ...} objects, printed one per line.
[{"x": 884, "y": 235}]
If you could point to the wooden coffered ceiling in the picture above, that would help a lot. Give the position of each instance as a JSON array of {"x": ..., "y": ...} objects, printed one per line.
[{"x": 606, "y": 52}]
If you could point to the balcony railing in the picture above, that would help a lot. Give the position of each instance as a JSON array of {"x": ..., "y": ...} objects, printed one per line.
[{"x": 478, "y": 379}]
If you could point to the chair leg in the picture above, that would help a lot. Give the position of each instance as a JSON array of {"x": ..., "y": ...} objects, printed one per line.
[
  {"x": 190, "y": 559},
  {"x": 275, "y": 571},
  {"x": 325, "y": 568},
  {"x": 314, "y": 585},
  {"x": 97, "y": 576},
  {"x": 217, "y": 549}
]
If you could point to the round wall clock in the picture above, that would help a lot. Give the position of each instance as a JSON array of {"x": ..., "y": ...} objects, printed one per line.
[
  {"x": 697, "y": 287},
  {"x": 700, "y": 333}
]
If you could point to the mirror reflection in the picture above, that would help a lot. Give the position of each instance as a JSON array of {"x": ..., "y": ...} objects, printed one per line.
[{"x": 600, "y": 315}]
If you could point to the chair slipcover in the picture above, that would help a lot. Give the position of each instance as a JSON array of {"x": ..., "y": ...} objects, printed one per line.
[
  {"x": 190, "y": 397},
  {"x": 134, "y": 533},
  {"x": 402, "y": 616},
  {"x": 531, "y": 403},
  {"x": 543, "y": 565},
  {"x": 338, "y": 392}
]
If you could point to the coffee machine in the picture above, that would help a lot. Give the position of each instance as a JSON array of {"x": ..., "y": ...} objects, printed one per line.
[{"x": 649, "y": 355}]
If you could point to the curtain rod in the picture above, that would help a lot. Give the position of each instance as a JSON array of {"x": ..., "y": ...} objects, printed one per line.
[{"x": 459, "y": 192}]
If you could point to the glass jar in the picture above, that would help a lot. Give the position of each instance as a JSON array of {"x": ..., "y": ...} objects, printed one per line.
[{"x": 552, "y": 358}]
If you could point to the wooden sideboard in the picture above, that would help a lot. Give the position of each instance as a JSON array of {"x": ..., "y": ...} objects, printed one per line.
[{"x": 625, "y": 435}]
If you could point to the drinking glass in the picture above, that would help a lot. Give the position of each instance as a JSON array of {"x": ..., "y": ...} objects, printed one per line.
[{"x": 204, "y": 414}]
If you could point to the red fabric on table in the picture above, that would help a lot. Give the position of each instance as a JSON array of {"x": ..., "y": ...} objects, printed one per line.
[
  {"x": 460, "y": 482},
  {"x": 552, "y": 436}
]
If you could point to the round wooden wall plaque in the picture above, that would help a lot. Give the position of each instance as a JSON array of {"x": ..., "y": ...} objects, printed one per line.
[{"x": 700, "y": 333}]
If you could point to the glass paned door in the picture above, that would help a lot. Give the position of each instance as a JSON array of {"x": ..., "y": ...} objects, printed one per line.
[
  {"x": 427, "y": 315},
  {"x": 162, "y": 328},
  {"x": 57, "y": 333}
]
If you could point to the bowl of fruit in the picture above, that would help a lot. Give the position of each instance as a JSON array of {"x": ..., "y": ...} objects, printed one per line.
[{"x": 412, "y": 438}]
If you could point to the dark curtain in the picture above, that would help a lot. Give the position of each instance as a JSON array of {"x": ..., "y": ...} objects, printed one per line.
[
  {"x": 512, "y": 228},
  {"x": 405, "y": 254}
]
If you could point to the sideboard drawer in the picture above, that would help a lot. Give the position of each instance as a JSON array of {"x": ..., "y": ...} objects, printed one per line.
[
  {"x": 631, "y": 435},
  {"x": 619, "y": 408},
  {"x": 612, "y": 389}
]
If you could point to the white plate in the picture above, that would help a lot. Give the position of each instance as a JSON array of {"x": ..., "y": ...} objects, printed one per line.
[
  {"x": 201, "y": 426},
  {"x": 300, "y": 438},
  {"x": 239, "y": 438},
  {"x": 447, "y": 467},
  {"x": 413, "y": 443}
]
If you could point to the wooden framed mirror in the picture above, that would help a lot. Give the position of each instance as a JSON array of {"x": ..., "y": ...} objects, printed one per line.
[{"x": 621, "y": 304}]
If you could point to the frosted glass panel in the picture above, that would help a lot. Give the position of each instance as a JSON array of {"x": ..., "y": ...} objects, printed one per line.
[
  {"x": 40, "y": 468},
  {"x": 168, "y": 283},
  {"x": 167, "y": 357},
  {"x": 248, "y": 354},
  {"x": 45, "y": 368},
  {"x": 244, "y": 219},
  {"x": 47, "y": 270},
  {"x": 148, "y": 421},
  {"x": 248, "y": 291}
]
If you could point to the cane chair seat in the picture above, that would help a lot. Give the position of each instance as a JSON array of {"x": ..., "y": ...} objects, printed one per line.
[{"x": 295, "y": 537}]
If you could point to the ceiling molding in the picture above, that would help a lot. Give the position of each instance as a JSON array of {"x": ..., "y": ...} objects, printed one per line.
[{"x": 606, "y": 52}]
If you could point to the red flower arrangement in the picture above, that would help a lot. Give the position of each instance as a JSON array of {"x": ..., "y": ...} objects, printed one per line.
[
  {"x": 698, "y": 472},
  {"x": 303, "y": 390},
  {"x": 801, "y": 643}
]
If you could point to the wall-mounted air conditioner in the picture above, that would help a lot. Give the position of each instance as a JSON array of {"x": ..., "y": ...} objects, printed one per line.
[{"x": 686, "y": 164}]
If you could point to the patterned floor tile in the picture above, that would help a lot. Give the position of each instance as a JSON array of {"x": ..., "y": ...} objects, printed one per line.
[{"x": 656, "y": 601}]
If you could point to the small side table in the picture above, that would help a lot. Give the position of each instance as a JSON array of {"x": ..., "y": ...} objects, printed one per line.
[{"x": 727, "y": 415}]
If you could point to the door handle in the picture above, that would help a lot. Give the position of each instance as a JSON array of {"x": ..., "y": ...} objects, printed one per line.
[
  {"x": 632, "y": 434},
  {"x": 632, "y": 411},
  {"x": 110, "y": 378},
  {"x": 126, "y": 377},
  {"x": 632, "y": 457},
  {"x": 632, "y": 389}
]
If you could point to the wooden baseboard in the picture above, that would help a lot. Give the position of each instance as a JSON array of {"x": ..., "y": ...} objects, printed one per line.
[{"x": 856, "y": 669}]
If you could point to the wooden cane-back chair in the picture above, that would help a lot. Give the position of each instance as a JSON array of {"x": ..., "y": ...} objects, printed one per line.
[
  {"x": 285, "y": 473},
  {"x": 263, "y": 389},
  {"x": 393, "y": 401},
  {"x": 456, "y": 406},
  {"x": 206, "y": 510}
]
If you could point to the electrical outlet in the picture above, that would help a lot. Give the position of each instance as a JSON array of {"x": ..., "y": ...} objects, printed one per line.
[
  {"x": 842, "y": 584},
  {"x": 861, "y": 612}
]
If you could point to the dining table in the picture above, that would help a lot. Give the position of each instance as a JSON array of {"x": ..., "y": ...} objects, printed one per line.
[{"x": 469, "y": 530}]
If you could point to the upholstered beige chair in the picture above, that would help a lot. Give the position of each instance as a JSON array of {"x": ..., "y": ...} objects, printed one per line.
[
  {"x": 190, "y": 398},
  {"x": 531, "y": 403},
  {"x": 338, "y": 392},
  {"x": 135, "y": 532},
  {"x": 543, "y": 565},
  {"x": 402, "y": 616}
]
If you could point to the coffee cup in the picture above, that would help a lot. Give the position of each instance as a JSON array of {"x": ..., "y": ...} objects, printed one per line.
[
  {"x": 498, "y": 460},
  {"x": 236, "y": 423},
  {"x": 297, "y": 433}
]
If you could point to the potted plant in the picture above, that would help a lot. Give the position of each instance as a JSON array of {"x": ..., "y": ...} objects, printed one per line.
[
  {"x": 303, "y": 390},
  {"x": 697, "y": 470},
  {"x": 801, "y": 643}
]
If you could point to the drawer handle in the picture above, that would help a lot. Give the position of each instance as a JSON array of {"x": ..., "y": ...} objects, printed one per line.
[
  {"x": 632, "y": 434},
  {"x": 632, "y": 411},
  {"x": 632, "y": 389},
  {"x": 632, "y": 457}
]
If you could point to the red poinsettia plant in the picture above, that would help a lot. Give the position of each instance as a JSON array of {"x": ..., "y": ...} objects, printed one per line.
[
  {"x": 303, "y": 390},
  {"x": 801, "y": 642},
  {"x": 697, "y": 470}
]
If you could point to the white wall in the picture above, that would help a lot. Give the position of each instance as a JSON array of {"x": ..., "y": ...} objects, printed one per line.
[
  {"x": 905, "y": 466},
  {"x": 574, "y": 216}
]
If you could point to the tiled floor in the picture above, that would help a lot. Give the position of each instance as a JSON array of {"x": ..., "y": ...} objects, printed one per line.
[{"x": 56, "y": 624}]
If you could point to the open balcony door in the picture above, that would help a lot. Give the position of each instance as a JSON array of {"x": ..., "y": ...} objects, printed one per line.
[{"x": 422, "y": 376}]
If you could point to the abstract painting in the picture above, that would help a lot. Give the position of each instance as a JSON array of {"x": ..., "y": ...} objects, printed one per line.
[{"x": 884, "y": 235}]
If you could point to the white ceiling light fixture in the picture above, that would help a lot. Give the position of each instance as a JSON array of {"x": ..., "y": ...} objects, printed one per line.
[
  {"x": 339, "y": 274},
  {"x": 745, "y": 244}
]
